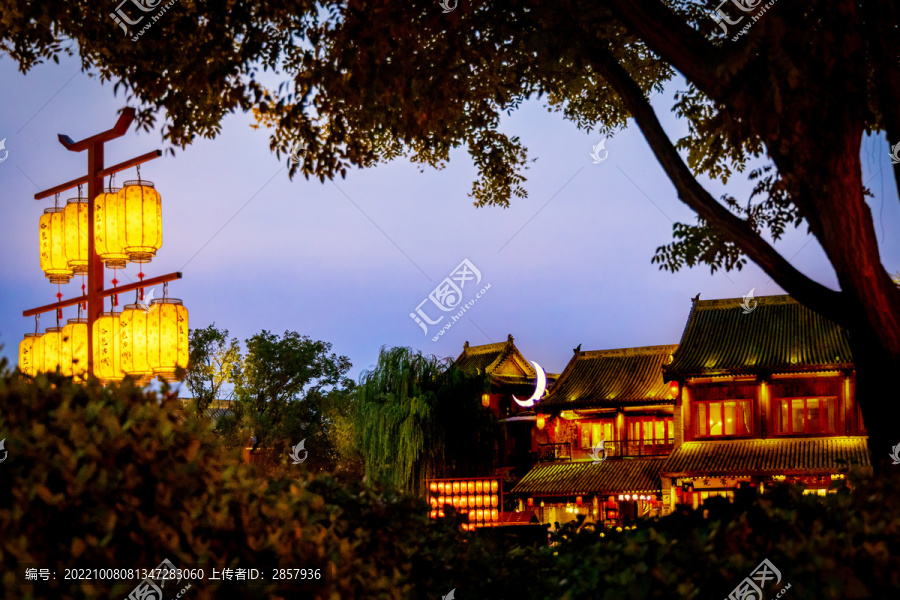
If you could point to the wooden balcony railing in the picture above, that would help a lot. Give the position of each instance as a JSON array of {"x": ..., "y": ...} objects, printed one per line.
[
  {"x": 553, "y": 452},
  {"x": 564, "y": 451}
]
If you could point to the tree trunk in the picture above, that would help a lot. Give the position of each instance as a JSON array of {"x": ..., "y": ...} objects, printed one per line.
[{"x": 877, "y": 393}]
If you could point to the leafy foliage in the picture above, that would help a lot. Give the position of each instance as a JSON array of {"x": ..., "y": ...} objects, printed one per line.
[
  {"x": 211, "y": 365},
  {"x": 104, "y": 477},
  {"x": 420, "y": 417},
  {"x": 278, "y": 384}
]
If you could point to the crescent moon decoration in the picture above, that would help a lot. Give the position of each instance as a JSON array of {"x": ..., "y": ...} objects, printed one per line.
[{"x": 539, "y": 389}]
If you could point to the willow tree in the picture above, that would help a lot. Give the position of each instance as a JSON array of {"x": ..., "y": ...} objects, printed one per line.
[
  {"x": 791, "y": 85},
  {"x": 419, "y": 417}
]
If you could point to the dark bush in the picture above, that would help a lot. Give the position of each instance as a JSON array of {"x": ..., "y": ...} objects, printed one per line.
[{"x": 111, "y": 477}]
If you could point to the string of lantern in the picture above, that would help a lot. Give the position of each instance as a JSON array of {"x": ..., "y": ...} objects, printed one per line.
[{"x": 144, "y": 340}]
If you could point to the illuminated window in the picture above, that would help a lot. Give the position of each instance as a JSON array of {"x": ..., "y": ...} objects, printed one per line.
[
  {"x": 724, "y": 418},
  {"x": 805, "y": 415},
  {"x": 649, "y": 435},
  {"x": 593, "y": 432}
]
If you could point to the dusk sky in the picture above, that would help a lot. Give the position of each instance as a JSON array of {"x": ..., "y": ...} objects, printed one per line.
[{"x": 347, "y": 262}]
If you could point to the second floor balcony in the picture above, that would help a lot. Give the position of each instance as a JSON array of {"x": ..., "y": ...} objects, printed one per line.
[{"x": 564, "y": 451}]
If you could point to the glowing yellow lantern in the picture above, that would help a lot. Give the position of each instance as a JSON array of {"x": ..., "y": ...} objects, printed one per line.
[
  {"x": 471, "y": 487},
  {"x": 471, "y": 501},
  {"x": 479, "y": 515},
  {"x": 471, "y": 515},
  {"x": 494, "y": 500},
  {"x": 51, "y": 350},
  {"x": 441, "y": 500},
  {"x": 133, "y": 342},
  {"x": 433, "y": 502},
  {"x": 434, "y": 514},
  {"x": 109, "y": 229},
  {"x": 479, "y": 487},
  {"x": 495, "y": 514},
  {"x": 455, "y": 487},
  {"x": 441, "y": 487},
  {"x": 53, "y": 246},
  {"x": 142, "y": 207},
  {"x": 167, "y": 337},
  {"x": 486, "y": 400},
  {"x": 27, "y": 356},
  {"x": 455, "y": 502},
  {"x": 107, "y": 353},
  {"x": 494, "y": 486},
  {"x": 75, "y": 217},
  {"x": 73, "y": 355},
  {"x": 479, "y": 501},
  {"x": 433, "y": 486},
  {"x": 541, "y": 421}
]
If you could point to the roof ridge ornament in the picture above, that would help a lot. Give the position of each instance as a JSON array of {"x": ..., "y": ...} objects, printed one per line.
[{"x": 577, "y": 350}]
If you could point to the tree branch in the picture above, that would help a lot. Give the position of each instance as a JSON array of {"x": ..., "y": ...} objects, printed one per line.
[
  {"x": 676, "y": 42},
  {"x": 821, "y": 299}
]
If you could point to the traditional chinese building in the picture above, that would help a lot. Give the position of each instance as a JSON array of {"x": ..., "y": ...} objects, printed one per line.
[
  {"x": 766, "y": 393},
  {"x": 602, "y": 434},
  {"x": 508, "y": 373}
]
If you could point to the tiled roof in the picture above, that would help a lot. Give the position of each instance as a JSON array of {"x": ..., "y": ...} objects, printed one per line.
[
  {"x": 585, "y": 477},
  {"x": 502, "y": 361},
  {"x": 764, "y": 457},
  {"x": 611, "y": 377},
  {"x": 216, "y": 409},
  {"x": 779, "y": 335}
]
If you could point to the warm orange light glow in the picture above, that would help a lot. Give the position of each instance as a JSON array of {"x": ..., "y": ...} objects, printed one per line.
[
  {"x": 167, "y": 337},
  {"x": 106, "y": 348},
  {"x": 73, "y": 355},
  {"x": 433, "y": 486},
  {"x": 494, "y": 500},
  {"x": 541, "y": 421},
  {"x": 133, "y": 342},
  {"x": 495, "y": 514},
  {"x": 494, "y": 486},
  {"x": 52, "y": 243},
  {"x": 27, "y": 348},
  {"x": 479, "y": 501},
  {"x": 673, "y": 389},
  {"x": 485, "y": 400},
  {"x": 109, "y": 229},
  {"x": 455, "y": 487},
  {"x": 76, "y": 228},
  {"x": 479, "y": 487},
  {"x": 51, "y": 350},
  {"x": 143, "y": 220},
  {"x": 463, "y": 502},
  {"x": 471, "y": 487}
]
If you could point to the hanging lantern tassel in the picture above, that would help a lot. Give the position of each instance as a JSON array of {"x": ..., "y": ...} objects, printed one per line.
[{"x": 59, "y": 314}]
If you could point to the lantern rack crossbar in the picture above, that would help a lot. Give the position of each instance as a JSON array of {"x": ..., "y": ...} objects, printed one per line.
[
  {"x": 104, "y": 173},
  {"x": 104, "y": 294}
]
